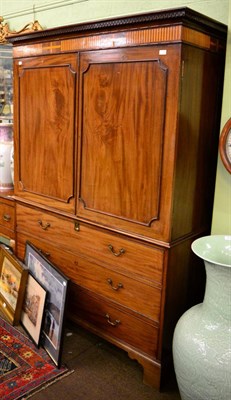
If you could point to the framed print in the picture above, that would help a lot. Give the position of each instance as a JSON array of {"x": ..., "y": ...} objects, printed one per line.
[
  {"x": 33, "y": 308},
  {"x": 13, "y": 278},
  {"x": 56, "y": 285}
]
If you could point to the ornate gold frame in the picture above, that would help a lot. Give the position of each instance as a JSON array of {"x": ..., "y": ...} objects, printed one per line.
[
  {"x": 5, "y": 31},
  {"x": 224, "y": 143}
]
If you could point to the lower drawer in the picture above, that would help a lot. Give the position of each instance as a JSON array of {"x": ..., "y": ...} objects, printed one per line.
[
  {"x": 7, "y": 217},
  {"x": 106, "y": 319},
  {"x": 142, "y": 298},
  {"x": 7, "y": 233},
  {"x": 143, "y": 260}
]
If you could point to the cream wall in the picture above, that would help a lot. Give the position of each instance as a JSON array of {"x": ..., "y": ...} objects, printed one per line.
[
  {"x": 221, "y": 222},
  {"x": 52, "y": 13},
  {"x": 64, "y": 12}
]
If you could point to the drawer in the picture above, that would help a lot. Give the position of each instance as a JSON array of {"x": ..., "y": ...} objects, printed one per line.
[
  {"x": 105, "y": 319},
  {"x": 7, "y": 216},
  {"x": 123, "y": 254},
  {"x": 138, "y": 296}
]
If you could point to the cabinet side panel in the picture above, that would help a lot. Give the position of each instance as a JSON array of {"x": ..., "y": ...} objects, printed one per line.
[{"x": 199, "y": 121}]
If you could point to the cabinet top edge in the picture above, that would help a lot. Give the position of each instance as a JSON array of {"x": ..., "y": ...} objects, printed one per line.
[{"x": 183, "y": 16}]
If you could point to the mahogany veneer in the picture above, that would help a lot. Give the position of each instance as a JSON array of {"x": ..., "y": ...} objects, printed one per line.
[{"x": 116, "y": 138}]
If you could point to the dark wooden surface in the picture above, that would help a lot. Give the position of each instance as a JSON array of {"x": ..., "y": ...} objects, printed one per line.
[{"x": 116, "y": 142}]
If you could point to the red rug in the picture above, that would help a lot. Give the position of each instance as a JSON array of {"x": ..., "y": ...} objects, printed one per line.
[{"x": 24, "y": 368}]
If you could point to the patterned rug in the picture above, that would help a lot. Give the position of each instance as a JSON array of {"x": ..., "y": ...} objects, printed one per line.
[{"x": 24, "y": 369}]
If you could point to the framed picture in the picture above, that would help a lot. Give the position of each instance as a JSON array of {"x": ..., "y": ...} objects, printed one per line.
[
  {"x": 33, "y": 308},
  {"x": 56, "y": 285},
  {"x": 13, "y": 278}
]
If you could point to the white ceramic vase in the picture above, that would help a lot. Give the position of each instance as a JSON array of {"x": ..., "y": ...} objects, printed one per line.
[
  {"x": 12, "y": 164},
  {"x": 202, "y": 337},
  {"x": 6, "y": 182},
  {"x": 6, "y": 148}
]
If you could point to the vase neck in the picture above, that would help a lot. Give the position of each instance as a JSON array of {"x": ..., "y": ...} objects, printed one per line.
[{"x": 218, "y": 289}]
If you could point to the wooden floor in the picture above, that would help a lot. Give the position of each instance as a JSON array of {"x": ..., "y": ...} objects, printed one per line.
[{"x": 101, "y": 372}]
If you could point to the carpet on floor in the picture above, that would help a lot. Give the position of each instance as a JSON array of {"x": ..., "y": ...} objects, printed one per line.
[{"x": 24, "y": 368}]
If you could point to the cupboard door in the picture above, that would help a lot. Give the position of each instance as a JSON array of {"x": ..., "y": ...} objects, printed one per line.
[
  {"x": 45, "y": 88},
  {"x": 122, "y": 119}
]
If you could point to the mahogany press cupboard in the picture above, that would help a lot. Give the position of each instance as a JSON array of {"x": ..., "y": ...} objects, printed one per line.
[{"x": 116, "y": 127}]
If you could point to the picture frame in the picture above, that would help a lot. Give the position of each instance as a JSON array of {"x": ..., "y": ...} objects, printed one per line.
[
  {"x": 33, "y": 309},
  {"x": 56, "y": 285},
  {"x": 13, "y": 279}
]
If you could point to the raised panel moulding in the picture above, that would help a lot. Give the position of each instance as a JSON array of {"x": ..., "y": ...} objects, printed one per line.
[{"x": 110, "y": 137}]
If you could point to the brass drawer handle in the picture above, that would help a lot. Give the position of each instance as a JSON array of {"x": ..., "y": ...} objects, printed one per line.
[
  {"x": 119, "y": 286},
  {"x": 44, "y": 226},
  {"x": 6, "y": 217},
  {"x": 117, "y": 321},
  {"x": 122, "y": 251}
]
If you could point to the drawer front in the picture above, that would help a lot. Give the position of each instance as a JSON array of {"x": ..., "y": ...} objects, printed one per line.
[
  {"x": 145, "y": 261},
  {"x": 135, "y": 295},
  {"x": 105, "y": 318},
  {"x": 7, "y": 218}
]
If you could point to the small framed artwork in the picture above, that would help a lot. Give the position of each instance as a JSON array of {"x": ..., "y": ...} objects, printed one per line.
[
  {"x": 33, "y": 308},
  {"x": 56, "y": 285},
  {"x": 13, "y": 279}
]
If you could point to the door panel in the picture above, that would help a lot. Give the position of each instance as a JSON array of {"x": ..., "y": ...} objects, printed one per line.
[
  {"x": 123, "y": 96},
  {"x": 46, "y": 89}
]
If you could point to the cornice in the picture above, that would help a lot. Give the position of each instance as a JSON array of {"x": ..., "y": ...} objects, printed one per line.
[{"x": 184, "y": 16}]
